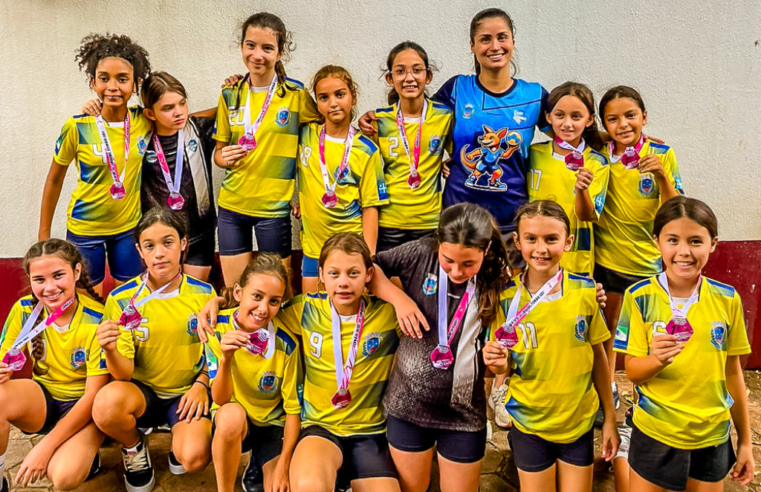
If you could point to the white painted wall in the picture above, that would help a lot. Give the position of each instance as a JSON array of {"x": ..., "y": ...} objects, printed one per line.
[{"x": 697, "y": 64}]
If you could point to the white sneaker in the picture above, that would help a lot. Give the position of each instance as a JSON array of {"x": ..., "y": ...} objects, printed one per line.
[
  {"x": 497, "y": 395},
  {"x": 501, "y": 417},
  {"x": 175, "y": 466},
  {"x": 625, "y": 432}
]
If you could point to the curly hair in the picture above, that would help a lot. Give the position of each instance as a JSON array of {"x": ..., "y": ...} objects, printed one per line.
[{"x": 96, "y": 47}]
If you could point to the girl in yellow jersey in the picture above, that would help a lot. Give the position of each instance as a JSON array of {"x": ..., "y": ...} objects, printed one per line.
[
  {"x": 255, "y": 371},
  {"x": 68, "y": 369},
  {"x": 153, "y": 350},
  {"x": 257, "y": 138},
  {"x": 412, "y": 133},
  {"x": 108, "y": 150},
  {"x": 551, "y": 330},
  {"x": 341, "y": 182},
  {"x": 682, "y": 335}
]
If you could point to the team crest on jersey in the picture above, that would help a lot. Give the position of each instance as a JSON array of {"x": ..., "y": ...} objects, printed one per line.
[
  {"x": 142, "y": 145},
  {"x": 150, "y": 157},
  {"x": 78, "y": 358},
  {"x": 192, "y": 145},
  {"x": 58, "y": 144},
  {"x": 646, "y": 184},
  {"x": 283, "y": 117},
  {"x": 434, "y": 145},
  {"x": 483, "y": 162},
  {"x": 211, "y": 363},
  {"x": 599, "y": 203},
  {"x": 306, "y": 153},
  {"x": 468, "y": 111},
  {"x": 268, "y": 382},
  {"x": 429, "y": 284},
  {"x": 382, "y": 191},
  {"x": 371, "y": 344},
  {"x": 718, "y": 335},
  {"x": 580, "y": 329},
  {"x": 192, "y": 325}
]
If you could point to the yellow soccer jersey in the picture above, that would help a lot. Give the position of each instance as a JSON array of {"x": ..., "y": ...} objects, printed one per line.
[
  {"x": 266, "y": 388},
  {"x": 262, "y": 184},
  {"x": 363, "y": 187},
  {"x": 624, "y": 235},
  {"x": 167, "y": 351},
  {"x": 549, "y": 179},
  {"x": 310, "y": 316},
  {"x": 407, "y": 208},
  {"x": 686, "y": 405},
  {"x": 70, "y": 354},
  {"x": 551, "y": 392}
]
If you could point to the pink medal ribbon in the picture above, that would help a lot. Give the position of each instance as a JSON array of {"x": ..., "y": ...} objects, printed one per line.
[
  {"x": 260, "y": 342},
  {"x": 342, "y": 397},
  {"x": 329, "y": 199},
  {"x": 117, "y": 189},
  {"x": 630, "y": 158},
  {"x": 442, "y": 356},
  {"x": 414, "y": 159},
  {"x": 248, "y": 139},
  {"x": 506, "y": 334},
  {"x": 575, "y": 160},
  {"x": 130, "y": 317},
  {"x": 678, "y": 325},
  {"x": 15, "y": 358},
  {"x": 175, "y": 200}
]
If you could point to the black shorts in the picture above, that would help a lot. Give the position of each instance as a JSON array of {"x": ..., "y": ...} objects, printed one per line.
[
  {"x": 534, "y": 454},
  {"x": 456, "y": 446},
  {"x": 363, "y": 456},
  {"x": 265, "y": 443},
  {"x": 159, "y": 411},
  {"x": 55, "y": 410},
  {"x": 670, "y": 468},
  {"x": 614, "y": 282},
  {"x": 201, "y": 252},
  {"x": 389, "y": 237},
  {"x": 236, "y": 232}
]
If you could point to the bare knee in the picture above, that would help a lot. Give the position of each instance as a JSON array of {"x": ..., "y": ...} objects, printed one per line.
[
  {"x": 195, "y": 460},
  {"x": 302, "y": 483},
  {"x": 230, "y": 422},
  {"x": 108, "y": 408},
  {"x": 67, "y": 477}
]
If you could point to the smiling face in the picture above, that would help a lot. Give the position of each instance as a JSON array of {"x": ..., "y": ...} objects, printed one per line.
[
  {"x": 161, "y": 248},
  {"x": 114, "y": 82},
  {"x": 460, "y": 263},
  {"x": 345, "y": 277},
  {"x": 53, "y": 280},
  {"x": 259, "y": 300},
  {"x": 170, "y": 113},
  {"x": 493, "y": 44},
  {"x": 569, "y": 118},
  {"x": 624, "y": 120},
  {"x": 542, "y": 242},
  {"x": 260, "y": 51},
  {"x": 334, "y": 100},
  {"x": 685, "y": 246},
  {"x": 409, "y": 76}
]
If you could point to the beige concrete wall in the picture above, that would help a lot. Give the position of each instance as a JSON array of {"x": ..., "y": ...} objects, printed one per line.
[{"x": 697, "y": 64}]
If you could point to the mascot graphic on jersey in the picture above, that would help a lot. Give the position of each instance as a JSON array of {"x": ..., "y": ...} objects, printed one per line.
[{"x": 485, "y": 159}]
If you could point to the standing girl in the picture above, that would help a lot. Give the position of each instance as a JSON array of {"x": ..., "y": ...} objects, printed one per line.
[
  {"x": 412, "y": 134},
  {"x": 68, "y": 369},
  {"x": 256, "y": 132},
  {"x": 682, "y": 335},
  {"x": 108, "y": 149},
  {"x": 341, "y": 180},
  {"x": 153, "y": 351},
  {"x": 436, "y": 397},
  {"x": 552, "y": 330},
  {"x": 255, "y": 371},
  {"x": 350, "y": 340}
]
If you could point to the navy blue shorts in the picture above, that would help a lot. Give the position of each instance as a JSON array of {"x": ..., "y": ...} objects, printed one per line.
[
  {"x": 265, "y": 443},
  {"x": 456, "y": 446},
  {"x": 123, "y": 259},
  {"x": 614, "y": 282},
  {"x": 201, "y": 252},
  {"x": 310, "y": 267},
  {"x": 534, "y": 454},
  {"x": 159, "y": 411},
  {"x": 389, "y": 238},
  {"x": 236, "y": 233},
  {"x": 55, "y": 410}
]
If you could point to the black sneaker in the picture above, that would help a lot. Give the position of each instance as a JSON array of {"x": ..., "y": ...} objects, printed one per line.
[
  {"x": 95, "y": 467},
  {"x": 138, "y": 471},
  {"x": 5, "y": 486},
  {"x": 175, "y": 466},
  {"x": 253, "y": 478}
]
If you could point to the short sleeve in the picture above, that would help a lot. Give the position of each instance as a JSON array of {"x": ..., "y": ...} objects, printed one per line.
[
  {"x": 290, "y": 315},
  {"x": 598, "y": 330},
  {"x": 293, "y": 377},
  {"x": 126, "y": 344},
  {"x": 400, "y": 259},
  {"x": 542, "y": 124},
  {"x": 11, "y": 329},
  {"x": 66, "y": 145},
  {"x": 308, "y": 112},
  {"x": 671, "y": 167},
  {"x": 374, "y": 137},
  {"x": 96, "y": 357},
  {"x": 372, "y": 184},
  {"x": 213, "y": 352},
  {"x": 445, "y": 94},
  {"x": 598, "y": 189},
  {"x": 222, "y": 131},
  {"x": 631, "y": 333},
  {"x": 737, "y": 338}
]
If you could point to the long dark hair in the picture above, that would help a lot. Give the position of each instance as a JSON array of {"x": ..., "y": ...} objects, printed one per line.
[
  {"x": 165, "y": 216},
  {"x": 492, "y": 13},
  {"x": 618, "y": 92},
  {"x": 684, "y": 207},
  {"x": 392, "y": 95},
  {"x": 590, "y": 134},
  {"x": 263, "y": 264},
  {"x": 472, "y": 226}
]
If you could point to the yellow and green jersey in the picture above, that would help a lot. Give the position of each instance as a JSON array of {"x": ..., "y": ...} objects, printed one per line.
[
  {"x": 92, "y": 211},
  {"x": 310, "y": 317},
  {"x": 71, "y": 353},
  {"x": 266, "y": 388},
  {"x": 685, "y": 406}
]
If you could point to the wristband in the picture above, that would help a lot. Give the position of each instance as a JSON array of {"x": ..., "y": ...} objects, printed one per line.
[{"x": 201, "y": 383}]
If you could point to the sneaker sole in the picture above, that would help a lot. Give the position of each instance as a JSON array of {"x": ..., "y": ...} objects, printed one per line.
[
  {"x": 501, "y": 423},
  {"x": 177, "y": 469},
  {"x": 145, "y": 488}
]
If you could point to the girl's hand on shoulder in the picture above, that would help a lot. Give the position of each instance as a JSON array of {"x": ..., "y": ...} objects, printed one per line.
[
  {"x": 445, "y": 170},
  {"x": 207, "y": 319},
  {"x": 665, "y": 348},
  {"x": 495, "y": 356},
  {"x": 232, "y": 341},
  {"x": 744, "y": 467},
  {"x": 654, "y": 139},
  {"x": 108, "y": 333},
  {"x": 5, "y": 373},
  {"x": 231, "y": 80},
  {"x": 651, "y": 163},
  {"x": 602, "y": 297},
  {"x": 232, "y": 155},
  {"x": 410, "y": 317},
  {"x": 92, "y": 107},
  {"x": 610, "y": 439},
  {"x": 584, "y": 178},
  {"x": 194, "y": 404},
  {"x": 35, "y": 465},
  {"x": 366, "y": 123}
]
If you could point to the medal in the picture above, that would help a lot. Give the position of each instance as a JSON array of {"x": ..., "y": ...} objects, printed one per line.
[
  {"x": 442, "y": 356},
  {"x": 342, "y": 397},
  {"x": 630, "y": 158},
  {"x": 575, "y": 160},
  {"x": 15, "y": 359},
  {"x": 506, "y": 334},
  {"x": 678, "y": 325},
  {"x": 329, "y": 199},
  {"x": 248, "y": 139},
  {"x": 117, "y": 188},
  {"x": 414, "y": 157},
  {"x": 260, "y": 342},
  {"x": 131, "y": 317},
  {"x": 175, "y": 200}
]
